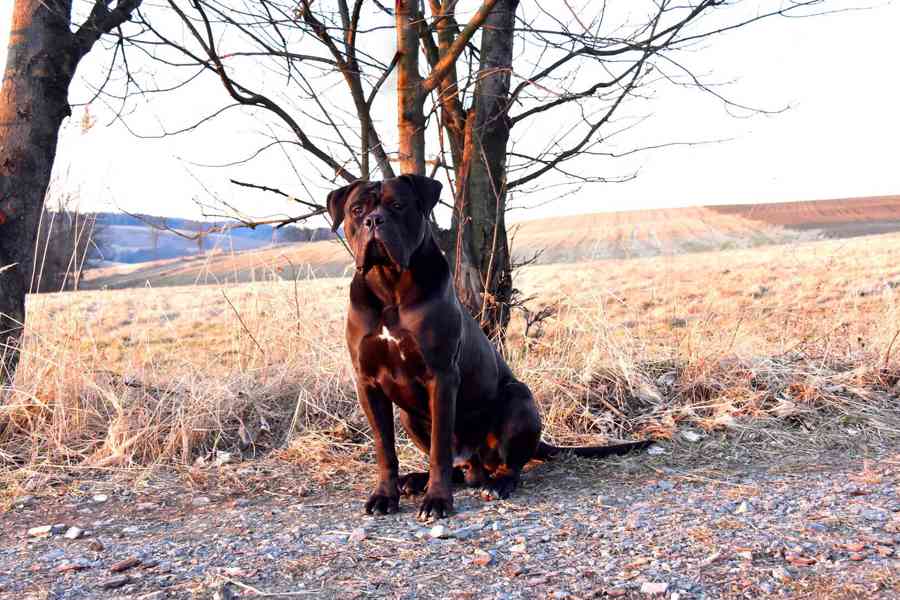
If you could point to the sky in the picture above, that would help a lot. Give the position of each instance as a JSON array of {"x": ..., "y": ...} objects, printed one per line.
[{"x": 835, "y": 74}]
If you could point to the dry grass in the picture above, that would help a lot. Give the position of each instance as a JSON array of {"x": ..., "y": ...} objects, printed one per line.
[{"x": 790, "y": 347}]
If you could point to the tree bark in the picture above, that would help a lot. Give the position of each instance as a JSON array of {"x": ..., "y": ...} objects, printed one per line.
[
  {"x": 410, "y": 93},
  {"x": 482, "y": 263},
  {"x": 43, "y": 54},
  {"x": 33, "y": 104}
]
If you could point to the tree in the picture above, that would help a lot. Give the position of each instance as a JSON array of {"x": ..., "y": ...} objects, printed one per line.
[
  {"x": 43, "y": 54},
  {"x": 458, "y": 116}
]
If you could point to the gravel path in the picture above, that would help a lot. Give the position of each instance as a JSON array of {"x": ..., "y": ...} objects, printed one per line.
[{"x": 630, "y": 528}]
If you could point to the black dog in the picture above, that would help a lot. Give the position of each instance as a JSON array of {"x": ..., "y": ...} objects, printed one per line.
[{"x": 414, "y": 345}]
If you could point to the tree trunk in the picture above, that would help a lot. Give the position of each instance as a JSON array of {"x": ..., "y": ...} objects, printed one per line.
[
  {"x": 33, "y": 104},
  {"x": 410, "y": 94},
  {"x": 482, "y": 262}
]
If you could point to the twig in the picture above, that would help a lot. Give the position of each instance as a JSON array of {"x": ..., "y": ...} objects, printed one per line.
[
  {"x": 263, "y": 594},
  {"x": 244, "y": 325}
]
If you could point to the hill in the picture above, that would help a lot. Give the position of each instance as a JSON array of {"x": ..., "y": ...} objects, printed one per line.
[{"x": 599, "y": 236}]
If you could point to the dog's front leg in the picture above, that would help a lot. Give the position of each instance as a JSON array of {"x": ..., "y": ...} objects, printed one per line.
[
  {"x": 380, "y": 412},
  {"x": 442, "y": 391}
]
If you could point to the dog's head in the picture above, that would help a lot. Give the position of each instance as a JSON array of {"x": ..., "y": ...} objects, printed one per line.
[{"x": 385, "y": 222}]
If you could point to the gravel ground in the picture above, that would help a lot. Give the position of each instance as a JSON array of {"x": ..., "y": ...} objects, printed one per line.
[{"x": 636, "y": 527}]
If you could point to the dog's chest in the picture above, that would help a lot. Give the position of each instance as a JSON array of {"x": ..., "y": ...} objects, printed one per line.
[{"x": 392, "y": 357}]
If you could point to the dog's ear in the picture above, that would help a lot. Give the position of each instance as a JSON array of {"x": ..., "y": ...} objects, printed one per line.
[
  {"x": 428, "y": 191},
  {"x": 336, "y": 202}
]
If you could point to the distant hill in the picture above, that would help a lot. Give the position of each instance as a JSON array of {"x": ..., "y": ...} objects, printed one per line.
[
  {"x": 144, "y": 238},
  {"x": 627, "y": 234}
]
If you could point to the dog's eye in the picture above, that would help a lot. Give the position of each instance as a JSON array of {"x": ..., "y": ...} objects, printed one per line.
[
  {"x": 398, "y": 206},
  {"x": 357, "y": 211}
]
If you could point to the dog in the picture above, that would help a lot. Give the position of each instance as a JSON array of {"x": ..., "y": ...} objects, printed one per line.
[{"x": 414, "y": 345}]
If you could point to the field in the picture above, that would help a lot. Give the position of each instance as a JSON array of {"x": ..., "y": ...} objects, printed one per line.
[
  {"x": 599, "y": 236},
  {"x": 210, "y": 434},
  {"x": 797, "y": 342}
]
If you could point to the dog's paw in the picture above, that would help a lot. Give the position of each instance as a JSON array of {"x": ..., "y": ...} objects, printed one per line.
[
  {"x": 413, "y": 484},
  {"x": 382, "y": 503},
  {"x": 436, "y": 504},
  {"x": 499, "y": 487}
]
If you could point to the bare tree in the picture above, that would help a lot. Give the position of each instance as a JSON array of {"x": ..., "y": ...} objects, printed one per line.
[
  {"x": 469, "y": 92},
  {"x": 44, "y": 52}
]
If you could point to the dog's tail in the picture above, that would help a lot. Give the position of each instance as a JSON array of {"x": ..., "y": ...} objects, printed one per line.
[{"x": 545, "y": 450}]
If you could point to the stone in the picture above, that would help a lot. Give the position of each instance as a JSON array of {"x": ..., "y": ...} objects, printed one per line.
[
  {"x": 100, "y": 498},
  {"x": 115, "y": 583},
  {"x": 654, "y": 589},
  {"x": 73, "y": 533},
  {"x": 482, "y": 558},
  {"x": 439, "y": 532},
  {"x": 40, "y": 531},
  {"x": 358, "y": 535},
  {"x": 691, "y": 436},
  {"x": 125, "y": 564}
]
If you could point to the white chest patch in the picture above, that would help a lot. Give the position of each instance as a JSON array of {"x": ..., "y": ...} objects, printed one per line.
[{"x": 387, "y": 337}]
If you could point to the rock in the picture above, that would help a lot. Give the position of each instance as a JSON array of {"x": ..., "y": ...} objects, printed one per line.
[
  {"x": 743, "y": 508},
  {"x": 222, "y": 458},
  {"x": 23, "y": 501},
  {"x": 72, "y": 565},
  {"x": 656, "y": 450},
  {"x": 439, "y": 532},
  {"x": 125, "y": 564},
  {"x": 43, "y": 530},
  {"x": 857, "y": 556},
  {"x": 518, "y": 548},
  {"x": 200, "y": 501},
  {"x": 654, "y": 589},
  {"x": 665, "y": 485},
  {"x": 874, "y": 514},
  {"x": 482, "y": 558},
  {"x": 96, "y": 545},
  {"x": 781, "y": 574},
  {"x": 100, "y": 498},
  {"x": 745, "y": 555},
  {"x": 73, "y": 533},
  {"x": 144, "y": 506},
  {"x": 358, "y": 535},
  {"x": 157, "y": 595},
  {"x": 691, "y": 436},
  {"x": 115, "y": 583}
]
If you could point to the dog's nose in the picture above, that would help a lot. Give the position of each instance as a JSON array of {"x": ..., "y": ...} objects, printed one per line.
[{"x": 373, "y": 221}]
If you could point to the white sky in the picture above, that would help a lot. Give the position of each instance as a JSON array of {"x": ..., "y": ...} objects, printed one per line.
[{"x": 838, "y": 74}]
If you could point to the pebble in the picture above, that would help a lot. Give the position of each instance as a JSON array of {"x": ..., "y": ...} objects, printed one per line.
[
  {"x": 743, "y": 508},
  {"x": 654, "y": 589},
  {"x": 100, "y": 498},
  {"x": 358, "y": 535},
  {"x": 656, "y": 450},
  {"x": 73, "y": 533},
  {"x": 125, "y": 564},
  {"x": 40, "y": 531},
  {"x": 439, "y": 532},
  {"x": 873, "y": 514},
  {"x": 482, "y": 558},
  {"x": 691, "y": 436},
  {"x": 200, "y": 501},
  {"x": 115, "y": 582}
]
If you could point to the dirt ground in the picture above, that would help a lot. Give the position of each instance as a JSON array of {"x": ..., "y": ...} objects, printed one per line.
[{"x": 817, "y": 525}]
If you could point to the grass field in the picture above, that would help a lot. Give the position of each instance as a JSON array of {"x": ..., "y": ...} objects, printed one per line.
[
  {"x": 783, "y": 347},
  {"x": 598, "y": 236}
]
